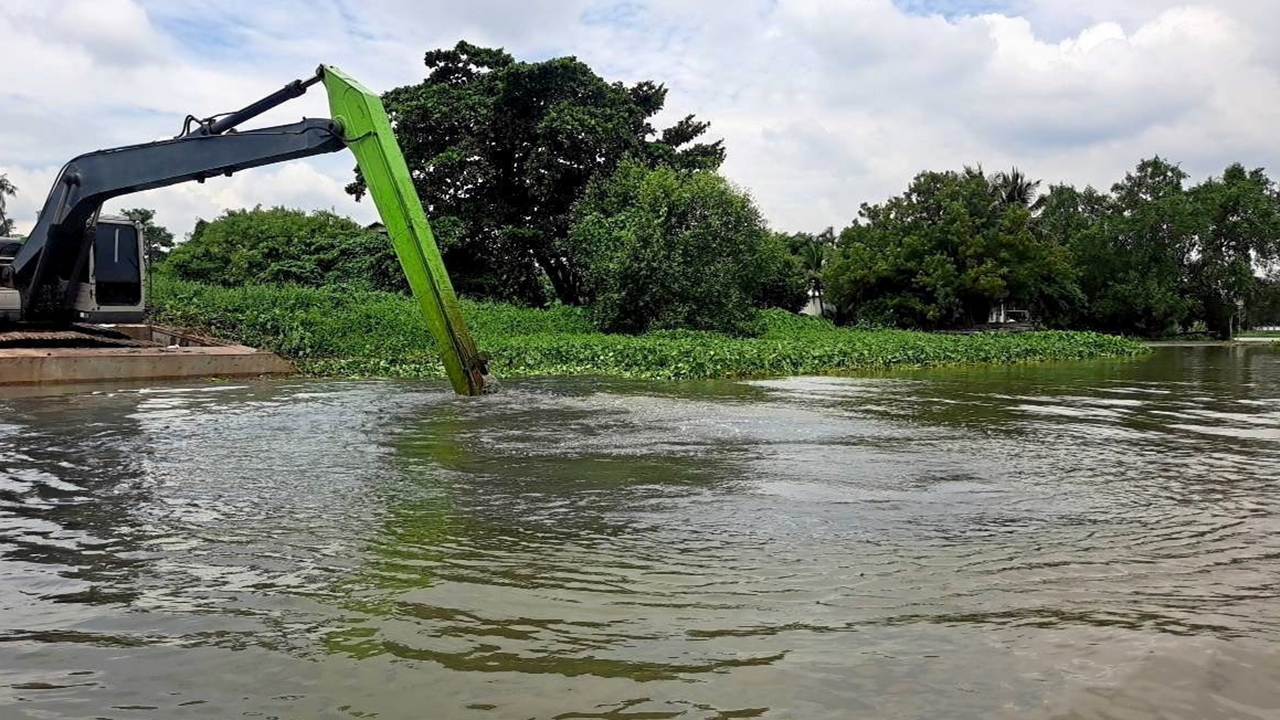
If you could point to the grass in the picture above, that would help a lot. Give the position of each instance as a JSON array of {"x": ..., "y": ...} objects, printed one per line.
[{"x": 351, "y": 333}]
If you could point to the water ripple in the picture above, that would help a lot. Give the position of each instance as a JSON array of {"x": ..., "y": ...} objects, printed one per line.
[{"x": 1035, "y": 541}]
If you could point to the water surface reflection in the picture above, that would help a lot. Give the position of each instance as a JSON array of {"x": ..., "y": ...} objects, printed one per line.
[{"x": 1090, "y": 540}]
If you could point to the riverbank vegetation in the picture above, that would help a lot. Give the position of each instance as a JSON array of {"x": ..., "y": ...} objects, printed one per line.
[
  {"x": 548, "y": 185},
  {"x": 337, "y": 331},
  {"x": 586, "y": 241}
]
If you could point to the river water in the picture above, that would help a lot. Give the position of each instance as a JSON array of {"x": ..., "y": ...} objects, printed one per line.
[{"x": 1089, "y": 540}]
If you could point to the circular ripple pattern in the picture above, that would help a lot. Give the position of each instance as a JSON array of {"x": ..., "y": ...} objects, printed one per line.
[{"x": 1095, "y": 540}]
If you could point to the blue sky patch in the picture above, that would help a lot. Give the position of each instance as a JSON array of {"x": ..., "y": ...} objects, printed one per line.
[
  {"x": 203, "y": 36},
  {"x": 625, "y": 13},
  {"x": 955, "y": 9}
]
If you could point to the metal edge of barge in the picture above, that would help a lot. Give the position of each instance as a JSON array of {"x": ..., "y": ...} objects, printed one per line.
[{"x": 86, "y": 354}]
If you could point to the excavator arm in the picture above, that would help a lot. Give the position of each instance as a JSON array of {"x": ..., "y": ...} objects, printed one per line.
[
  {"x": 45, "y": 269},
  {"x": 367, "y": 132},
  {"x": 50, "y": 260}
]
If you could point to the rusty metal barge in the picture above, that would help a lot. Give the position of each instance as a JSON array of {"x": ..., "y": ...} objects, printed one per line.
[{"x": 94, "y": 353}]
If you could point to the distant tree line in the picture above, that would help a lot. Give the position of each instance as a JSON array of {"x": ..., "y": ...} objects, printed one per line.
[{"x": 1153, "y": 256}]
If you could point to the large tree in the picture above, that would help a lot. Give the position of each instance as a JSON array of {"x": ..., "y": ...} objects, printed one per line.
[
  {"x": 943, "y": 254},
  {"x": 158, "y": 238},
  {"x": 664, "y": 249},
  {"x": 1238, "y": 231},
  {"x": 7, "y": 190},
  {"x": 1262, "y": 306},
  {"x": 500, "y": 151},
  {"x": 1132, "y": 252}
]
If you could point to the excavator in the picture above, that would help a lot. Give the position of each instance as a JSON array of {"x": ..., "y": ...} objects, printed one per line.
[{"x": 79, "y": 266}]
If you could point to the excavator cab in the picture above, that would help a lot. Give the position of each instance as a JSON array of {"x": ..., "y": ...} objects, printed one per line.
[
  {"x": 112, "y": 287},
  {"x": 112, "y": 284},
  {"x": 10, "y": 299}
]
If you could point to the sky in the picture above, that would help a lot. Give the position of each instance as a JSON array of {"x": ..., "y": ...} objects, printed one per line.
[{"x": 823, "y": 104}]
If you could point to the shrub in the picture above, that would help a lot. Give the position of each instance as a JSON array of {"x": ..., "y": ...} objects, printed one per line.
[
  {"x": 665, "y": 249},
  {"x": 246, "y": 247}
]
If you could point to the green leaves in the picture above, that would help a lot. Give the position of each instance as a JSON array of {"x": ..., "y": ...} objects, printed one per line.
[
  {"x": 247, "y": 247},
  {"x": 665, "y": 249},
  {"x": 1155, "y": 257},
  {"x": 945, "y": 252},
  {"x": 1152, "y": 257},
  {"x": 506, "y": 148}
]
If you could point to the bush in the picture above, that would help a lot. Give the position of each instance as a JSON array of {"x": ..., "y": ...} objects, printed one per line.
[
  {"x": 664, "y": 249},
  {"x": 782, "y": 278},
  {"x": 247, "y": 247}
]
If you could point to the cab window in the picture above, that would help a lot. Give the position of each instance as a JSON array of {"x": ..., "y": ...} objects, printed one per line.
[{"x": 117, "y": 268}]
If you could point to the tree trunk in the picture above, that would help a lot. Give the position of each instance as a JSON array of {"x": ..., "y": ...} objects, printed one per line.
[{"x": 563, "y": 278}]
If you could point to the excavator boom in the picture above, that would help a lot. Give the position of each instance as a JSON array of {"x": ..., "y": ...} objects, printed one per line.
[
  {"x": 366, "y": 130},
  {"x": 50, "y": 261},
  {"x": 46, "y": 270}
]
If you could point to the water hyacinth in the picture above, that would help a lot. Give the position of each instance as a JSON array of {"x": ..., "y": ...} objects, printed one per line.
[{"x": 354, "y": 333}]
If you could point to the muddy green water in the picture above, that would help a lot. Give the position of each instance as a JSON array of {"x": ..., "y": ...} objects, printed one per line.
[{"x": 1095, "y": 540}]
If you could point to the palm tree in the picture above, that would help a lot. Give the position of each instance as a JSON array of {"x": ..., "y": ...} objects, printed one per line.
[
  {"x": 813, "y": 256},
  {"x": 7, "y": 190},
  {"x": 1014, "y": 188}
]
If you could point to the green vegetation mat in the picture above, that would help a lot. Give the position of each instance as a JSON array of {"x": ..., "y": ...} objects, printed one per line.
[{"x": 360, "y": 333}]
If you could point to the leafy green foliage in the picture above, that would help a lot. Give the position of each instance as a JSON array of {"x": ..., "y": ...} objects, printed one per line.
[
  {"x": 331, "y": 331},
  {"x": 814, "y": 252},
  {"x": 7, "y": 190},
  {"x": 943, "y": 254},
  {"x": 1262, "y": 306},
  {"x": 783, "y": 277},
  {"x": 1015, "y": 188},
  {"x": 1239, "y": 225},
  {"x": 158, "y": 238},
  {"x": 1151, "y": 257},
  {"x": 246, "y": 247},
  {"x": 665, "y": 249},
  {"x": 1155, "y": 257},
  {"x": 501, "y": 150},
  {"x": 1131, "y": 252}
]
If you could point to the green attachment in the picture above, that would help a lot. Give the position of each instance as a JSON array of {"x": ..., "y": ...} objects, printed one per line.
[{"x": 366, "y": 129}]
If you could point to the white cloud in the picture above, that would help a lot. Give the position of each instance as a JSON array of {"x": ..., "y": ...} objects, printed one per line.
[
  {"x": 823, "y": 105},
  {"x": 114, "y": 33},
  {"x": 294, "y": 184}
]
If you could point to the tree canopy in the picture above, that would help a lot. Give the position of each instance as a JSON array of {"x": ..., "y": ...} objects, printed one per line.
[
  {"x": 1151, "y": 257},
  {"x": 943, "y": 254},
  {"x": 1239, "y": 229},
  {"x": 668, "y": 249},
  {"x": 500, "y": 150}
]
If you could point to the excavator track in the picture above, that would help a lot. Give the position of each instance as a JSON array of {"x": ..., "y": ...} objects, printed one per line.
[{"x": 74, "y": 337}]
